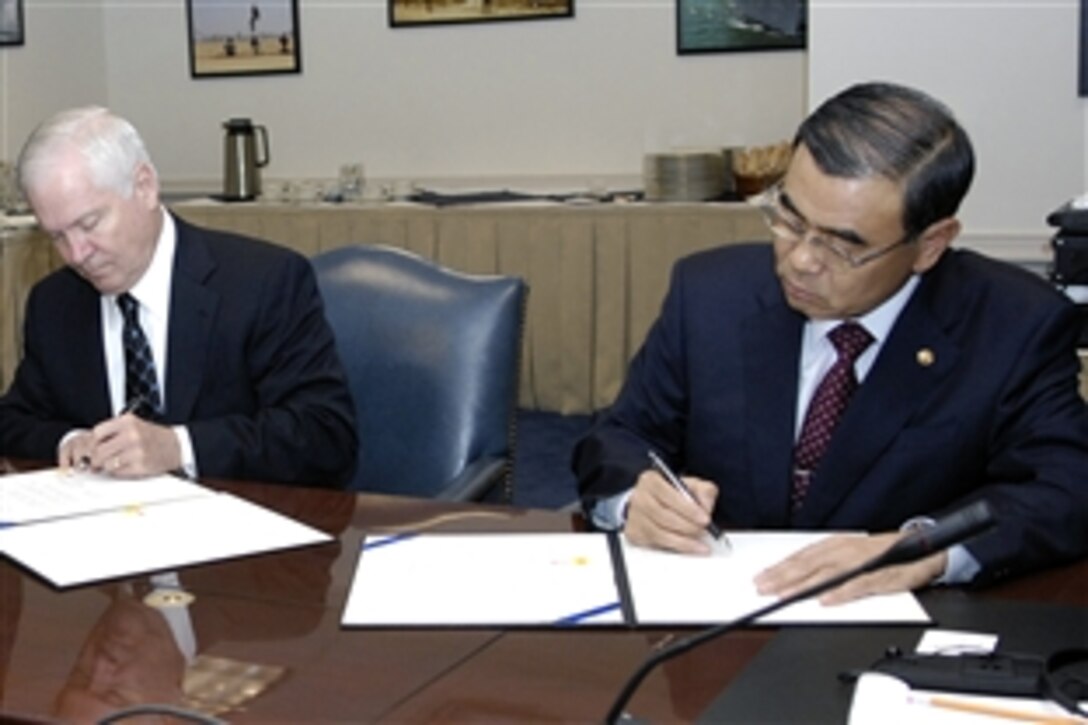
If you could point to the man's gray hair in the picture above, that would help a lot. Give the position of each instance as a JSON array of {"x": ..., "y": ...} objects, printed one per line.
[{"x": 110, "y": 145}]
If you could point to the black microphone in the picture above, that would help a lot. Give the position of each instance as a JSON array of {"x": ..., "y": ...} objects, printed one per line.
[
  {"x": 926, "y": 540},
  {"x": 952, "y": 529}
]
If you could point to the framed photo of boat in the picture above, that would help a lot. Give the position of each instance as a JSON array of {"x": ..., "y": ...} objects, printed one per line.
[
  {"x": 436, "y": 12},
  {"x": 243, "y": 37},
  {"x": 722, "y": 26},
  {"x": 11, "y": 22}
]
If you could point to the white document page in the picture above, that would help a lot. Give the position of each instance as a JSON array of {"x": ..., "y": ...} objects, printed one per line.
[
  {"x": 669, "y": 588},
  {"x": 136, "y": 540},
  {"x": 53, "y": 493},
  {"x": 560, "y": 579}
]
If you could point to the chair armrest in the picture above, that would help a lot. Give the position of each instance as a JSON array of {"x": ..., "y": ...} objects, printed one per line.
[{"x": 473, "y": 482}]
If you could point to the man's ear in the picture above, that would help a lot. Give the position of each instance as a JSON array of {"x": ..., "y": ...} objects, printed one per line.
[
  {"x": 934, "y": 241},
  {"x": 145, "y": 185}
]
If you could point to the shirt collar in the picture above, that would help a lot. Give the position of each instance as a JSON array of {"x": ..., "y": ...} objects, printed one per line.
[
  {"x": 153, "y": 289},
  {"x": 879, "y": 320}
]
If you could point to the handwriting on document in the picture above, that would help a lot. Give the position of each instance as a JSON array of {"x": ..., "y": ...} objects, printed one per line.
[{"x": 56, "y": 493}]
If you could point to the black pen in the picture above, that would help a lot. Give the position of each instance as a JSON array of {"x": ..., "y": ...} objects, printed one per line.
[
  {"x": 661, "y": 467},
  {"x": 132, "y": 406}
]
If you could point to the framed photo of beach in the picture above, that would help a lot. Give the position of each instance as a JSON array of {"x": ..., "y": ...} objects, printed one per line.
[
  {"x": 404, "y": 13},
  {"x": 243, "y": 37},
  {"x": 721, "y": 26},
  {"x": 11, "y": 22}
]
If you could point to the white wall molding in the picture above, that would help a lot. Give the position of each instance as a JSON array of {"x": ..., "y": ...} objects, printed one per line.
[{"x": 1028, "y": 245}]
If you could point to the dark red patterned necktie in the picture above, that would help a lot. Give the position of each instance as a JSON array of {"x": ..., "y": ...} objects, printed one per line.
[{"x": 826, "y": 408}]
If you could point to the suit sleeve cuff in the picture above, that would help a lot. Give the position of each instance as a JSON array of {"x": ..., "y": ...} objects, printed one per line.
[
  {"x": 185, "y": 449},
  {"x": 610, "y": 514},
  {"x": 960, "y": 565}
]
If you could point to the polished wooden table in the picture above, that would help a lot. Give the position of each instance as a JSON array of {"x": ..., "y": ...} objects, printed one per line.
[{"x": 268, "y": 644}]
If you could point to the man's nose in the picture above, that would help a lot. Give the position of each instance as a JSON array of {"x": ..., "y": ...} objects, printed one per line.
[
  {"x": 806, "y": 255},
  {"x": 75, "y": 247}
]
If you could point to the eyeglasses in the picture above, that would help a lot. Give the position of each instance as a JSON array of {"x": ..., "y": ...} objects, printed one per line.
[{"x": 789, "y": 226}]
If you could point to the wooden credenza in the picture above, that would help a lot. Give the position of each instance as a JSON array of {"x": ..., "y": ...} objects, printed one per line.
[
  {"x": 596, "y": 273},
  {"x": 26, "y": 256}
]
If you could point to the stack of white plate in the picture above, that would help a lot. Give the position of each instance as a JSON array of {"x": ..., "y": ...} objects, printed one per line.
[{"x": 690, "y": 175}]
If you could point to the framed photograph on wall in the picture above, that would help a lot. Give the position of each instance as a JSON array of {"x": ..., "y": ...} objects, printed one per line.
[
  {"x": 11, "y": 22},
  {"x": 1082, "y": 77},
  {"x": 721, "y": 26},
  {"x": 239, "y": 38},
  {"x": 404, "y": 13}
]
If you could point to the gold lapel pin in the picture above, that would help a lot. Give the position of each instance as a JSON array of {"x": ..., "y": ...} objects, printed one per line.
[{"x": 925, "y": 357}]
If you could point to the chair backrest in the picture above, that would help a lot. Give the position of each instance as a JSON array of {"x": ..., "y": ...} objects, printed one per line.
[{"x": 432, "y": 358}]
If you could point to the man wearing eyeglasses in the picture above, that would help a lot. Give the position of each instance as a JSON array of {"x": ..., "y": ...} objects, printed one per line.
[{"x": 959, "y": 382}]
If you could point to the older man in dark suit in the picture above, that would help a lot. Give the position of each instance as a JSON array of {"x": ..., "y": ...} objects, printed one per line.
[
  {"x": 963, "y": 371},
  {"x": 162, "y": 346}
]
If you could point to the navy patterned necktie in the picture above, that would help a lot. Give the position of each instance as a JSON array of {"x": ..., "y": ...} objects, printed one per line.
[
  {"x": 826, "y": 408},
  {"x": 141, "y": 383}
]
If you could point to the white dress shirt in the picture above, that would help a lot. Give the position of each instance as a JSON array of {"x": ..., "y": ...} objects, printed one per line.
[{"x": 152, "y": 291}]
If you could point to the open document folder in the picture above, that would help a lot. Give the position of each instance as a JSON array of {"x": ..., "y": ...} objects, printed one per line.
[
  {"x": 78, "y": 528},
  {"x": 567, "y": 579}
]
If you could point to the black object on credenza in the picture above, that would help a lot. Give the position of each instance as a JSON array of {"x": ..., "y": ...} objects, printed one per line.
[
  {"x": 1069, "y": 269},
  {"x": 1070, "y": 265}
]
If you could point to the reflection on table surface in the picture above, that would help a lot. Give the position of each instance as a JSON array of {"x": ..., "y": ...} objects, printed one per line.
[{"x": 259, "y": 638}]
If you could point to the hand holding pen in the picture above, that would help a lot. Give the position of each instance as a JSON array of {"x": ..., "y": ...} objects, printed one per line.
[
  {"x": 677, "y": 483},
  {"x": 134, "y": 406},
  {"x": 127, "y": 445}
]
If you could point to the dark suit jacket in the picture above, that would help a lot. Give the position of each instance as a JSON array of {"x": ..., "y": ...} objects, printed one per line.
[
  {"x": 252, "y": 367},
  {"x": 997, "y": 415}
]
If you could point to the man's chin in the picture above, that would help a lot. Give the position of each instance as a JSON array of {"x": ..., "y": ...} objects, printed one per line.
[
  {"x": 101, "y": 282},
  {"x": 806, "y": 303}
]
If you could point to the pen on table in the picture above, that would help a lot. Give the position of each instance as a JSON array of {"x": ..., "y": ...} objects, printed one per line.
[
  {"x": 674, "y": 480},
  {"x": 998, "y": 711}
]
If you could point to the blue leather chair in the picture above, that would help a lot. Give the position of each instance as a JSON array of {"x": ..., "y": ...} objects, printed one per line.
[{"x": 432, "y": 358}]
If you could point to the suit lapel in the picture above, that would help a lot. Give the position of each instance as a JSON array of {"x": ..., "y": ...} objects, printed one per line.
[
  {"x": 917, "y": 356},
  {"x": 771, "y": 349},
  {"x": 84, "y": 324},
  {"x": 192, "y": 306}
]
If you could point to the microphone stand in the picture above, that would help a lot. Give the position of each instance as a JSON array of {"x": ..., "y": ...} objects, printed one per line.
[
  {"x": 682, "y": 646},
  {"x": 915, "y": 545}
]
